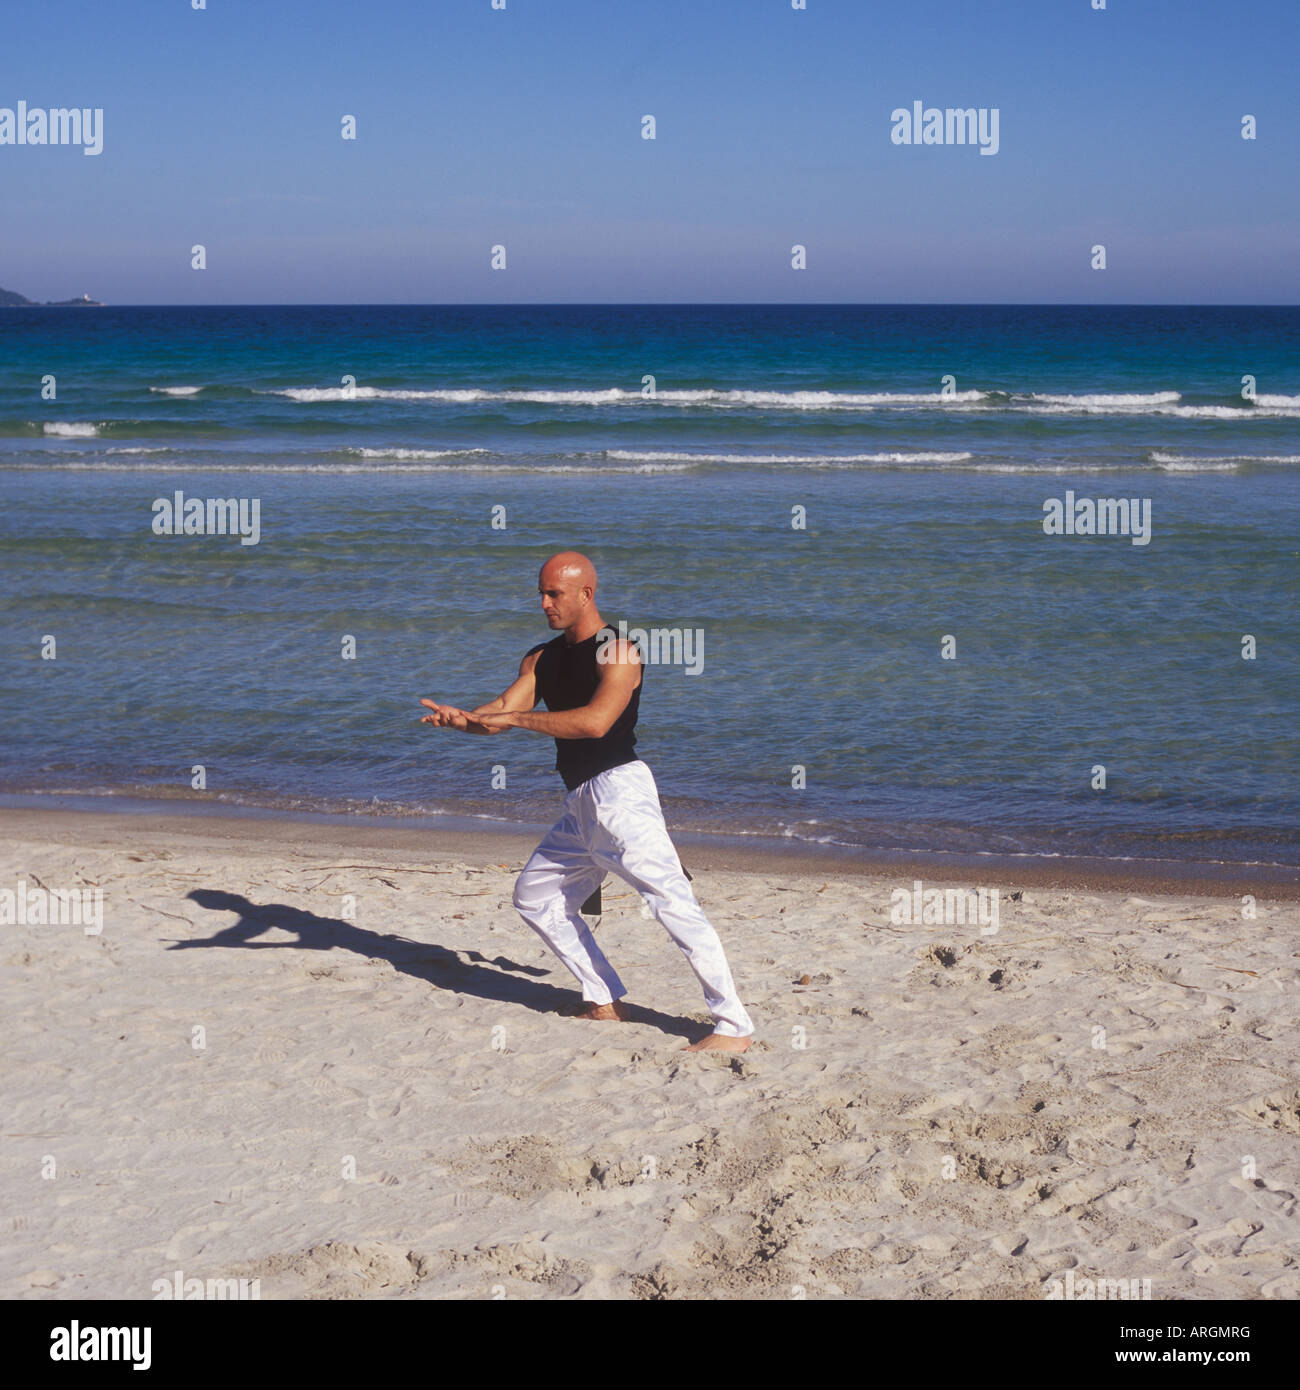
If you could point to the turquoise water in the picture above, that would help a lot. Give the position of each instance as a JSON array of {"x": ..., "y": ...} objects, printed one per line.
[{"x": 821, "y": 645}]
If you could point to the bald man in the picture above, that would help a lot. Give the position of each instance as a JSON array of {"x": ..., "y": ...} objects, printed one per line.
[{"x": 590, "y": 681}]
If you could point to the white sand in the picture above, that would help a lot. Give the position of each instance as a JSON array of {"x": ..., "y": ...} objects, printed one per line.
[{"x": 502, "y": 1148}]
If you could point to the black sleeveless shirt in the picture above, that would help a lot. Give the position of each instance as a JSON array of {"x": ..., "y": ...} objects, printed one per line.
[{"x": 566, "y": 676}]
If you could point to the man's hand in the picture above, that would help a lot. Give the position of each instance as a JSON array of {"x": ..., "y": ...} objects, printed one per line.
[{"x": 450, "y": 717}]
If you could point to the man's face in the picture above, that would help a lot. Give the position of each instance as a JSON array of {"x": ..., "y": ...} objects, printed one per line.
[{"x": 562, "y": 601}]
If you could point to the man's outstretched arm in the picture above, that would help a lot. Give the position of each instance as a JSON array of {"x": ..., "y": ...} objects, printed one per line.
[
  {"x": 618, "y": 678},
  {"x": 521, "y": 695}
]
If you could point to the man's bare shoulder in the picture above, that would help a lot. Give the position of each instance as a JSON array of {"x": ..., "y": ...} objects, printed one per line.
[{"x": 620, "y": 661}]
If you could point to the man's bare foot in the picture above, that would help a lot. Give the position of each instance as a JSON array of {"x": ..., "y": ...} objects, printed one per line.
[
  {"x": 718, "y": 1042},
  {"x": 614, "y": 1012}
]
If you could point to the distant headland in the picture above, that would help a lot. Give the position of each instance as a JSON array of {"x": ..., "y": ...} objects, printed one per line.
[{"x": 10, "y": 300}]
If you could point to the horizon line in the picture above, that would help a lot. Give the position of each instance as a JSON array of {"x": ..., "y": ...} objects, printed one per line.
[{"x": 682, "y": 304}]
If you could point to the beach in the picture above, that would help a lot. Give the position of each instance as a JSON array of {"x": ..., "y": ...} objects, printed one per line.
[
  {"x": 915, "y": 398},
  {"x": 325, "y": 1058},
  {"x": 973, "y": 715}
]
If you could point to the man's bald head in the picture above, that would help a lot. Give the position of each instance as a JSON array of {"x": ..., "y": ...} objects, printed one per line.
[
  {"x": 567, "y": 584},
  {"x": 569, "y": 565}
]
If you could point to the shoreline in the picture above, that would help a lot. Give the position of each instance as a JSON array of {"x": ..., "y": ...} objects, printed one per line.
[{"x": 104, "y": 821}]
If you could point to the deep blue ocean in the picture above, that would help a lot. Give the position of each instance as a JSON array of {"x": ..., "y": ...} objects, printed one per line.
[{"x": 382, "y": 443}]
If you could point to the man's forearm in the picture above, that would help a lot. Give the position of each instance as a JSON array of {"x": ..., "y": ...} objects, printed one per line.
[
  {"x": 566, "y": 723},
  {"x": 497, "y": 706}
]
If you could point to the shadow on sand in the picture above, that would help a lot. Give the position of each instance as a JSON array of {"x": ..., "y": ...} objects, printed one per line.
[{"x": 468, "y": 972}]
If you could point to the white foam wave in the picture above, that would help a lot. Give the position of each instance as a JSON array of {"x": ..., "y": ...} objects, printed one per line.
[
  {"x": 816, "y": 460},
  {"x": 329, "y": 470},
  {"x": 1049, "y": 468},
  {"x": 1121, "y": 398},
  {"x": 1218, "y": 460},
  {"x": 310, "y": 394},
  {"x": 797, "y": 400},
  {"x": 1184, "y": 412},
  {"x": 1216, "y": 412},
  {"x": 829, "y": 400},
  {"x": 1034, "y": 403},
  {"x": 960, "y": 462},
  {"x": 424, "y": 454},
  {"x": 176, "y": 390},
  {"x": 72, "y": 429},
  {"x": 1197, "y": 466}
]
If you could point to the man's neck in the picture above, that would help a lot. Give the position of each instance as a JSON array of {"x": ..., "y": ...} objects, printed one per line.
[{"x": 585, "y": 627}]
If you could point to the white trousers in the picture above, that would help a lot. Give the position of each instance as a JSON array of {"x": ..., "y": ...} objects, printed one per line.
[{"x": 613, "y": 823}]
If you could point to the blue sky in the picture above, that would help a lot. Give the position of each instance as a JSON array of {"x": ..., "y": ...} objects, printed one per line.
[{"x": 523, "y": 127}]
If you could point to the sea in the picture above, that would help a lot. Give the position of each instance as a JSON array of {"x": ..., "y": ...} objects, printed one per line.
[{"x": 868, "y": 527}]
